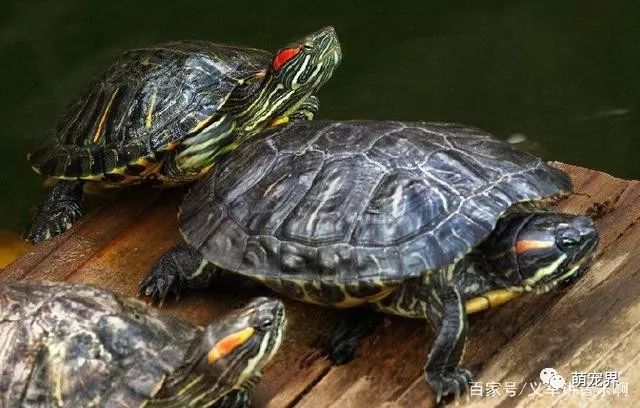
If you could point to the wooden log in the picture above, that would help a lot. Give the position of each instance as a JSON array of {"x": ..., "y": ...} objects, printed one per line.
[{"x": 589, "y": 328}]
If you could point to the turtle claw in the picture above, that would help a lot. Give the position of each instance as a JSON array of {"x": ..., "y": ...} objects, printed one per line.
[
  {"x": 450, "y": 384},
  {"x": 182, "y": 267},
  {"x": 59, "y": 209},
  {"x": 159, "y": 284},
  {"x": 353, "y": 326},
  {"x": 50, "y": 224}
]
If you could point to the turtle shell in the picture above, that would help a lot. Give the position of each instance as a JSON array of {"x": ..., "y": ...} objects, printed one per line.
[
  {"x": 359, "y": 202},
  {"x": 142, "y": 105},
  {"x": 77, "y": 345}
]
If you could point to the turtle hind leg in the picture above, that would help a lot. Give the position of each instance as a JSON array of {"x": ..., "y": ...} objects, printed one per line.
[
  {"x": 55, "y": 214},
  {"x": 353, "y": 326},
  {"x": 179, "y": 268}
]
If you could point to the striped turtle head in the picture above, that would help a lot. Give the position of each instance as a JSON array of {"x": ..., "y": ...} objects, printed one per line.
[
  {"x": 296, "y": 72},
  {"x": 538, "y": 252},
  {"x": 237, "y": 347},
  {"x": 307, "y": 63}
]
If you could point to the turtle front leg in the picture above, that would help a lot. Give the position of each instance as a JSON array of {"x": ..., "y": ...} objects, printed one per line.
[
  {"x": 238, "y": 398},
  {"x": 180, "y": 267},
  {"x": 307, "y": 110},
  {"x": 353, "y": 326},
  {"x": 57, "y": 211},
  {"x": 448, "y": 317}
]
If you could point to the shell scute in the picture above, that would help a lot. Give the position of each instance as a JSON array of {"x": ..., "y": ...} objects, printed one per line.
[
  {"x": 73, "y": 344},
  {"x": 403, "y": 206},
  {"x": 153, "y": 98},
  {"x": 260, "y": 250},
  {"x": 370, "y": 263},
  {"x": 298, "y": 259},
  {"x": 336, "y": 260},
  {"x": 382, "y": 202},
  {"x": 264, "y": 207},
  {"x": 332, "y": 203}
]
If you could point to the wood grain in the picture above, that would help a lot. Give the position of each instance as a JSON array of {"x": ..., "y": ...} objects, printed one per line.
[{"x": 592, "y": 326}]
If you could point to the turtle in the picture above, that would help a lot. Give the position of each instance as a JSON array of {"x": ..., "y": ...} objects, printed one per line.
[
  {"x": 165, "y": 114},
  {"x": 421, "y": 220},
  {"x": 77, "y": 345}
]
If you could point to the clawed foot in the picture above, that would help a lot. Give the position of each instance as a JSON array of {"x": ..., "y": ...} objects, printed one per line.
[
  {"x": 159, "y": 283},
  {"x": 163, "y": 279},
  {"x": 57, "y": 212},
  {"x": 49, "y": 222},
  {"x": 341, "y": 350},
  {"x": 354, "y": 326},
  {"x": 179, "y": 268},
  {"x": 454, "y": 383}
]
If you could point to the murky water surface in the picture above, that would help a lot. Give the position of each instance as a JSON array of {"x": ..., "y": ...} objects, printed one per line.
[{"x": 560, "y": 77}]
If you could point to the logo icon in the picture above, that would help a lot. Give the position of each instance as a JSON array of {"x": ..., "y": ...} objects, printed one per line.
[{"x": 551, "y": 378}]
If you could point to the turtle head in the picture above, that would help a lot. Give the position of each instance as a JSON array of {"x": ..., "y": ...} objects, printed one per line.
[
  {"x": 238, "y": 346},
  {"x": 304, "y": 65},
  {"x": 545, "y": 249},
  {"x": 296, "y": 72}
]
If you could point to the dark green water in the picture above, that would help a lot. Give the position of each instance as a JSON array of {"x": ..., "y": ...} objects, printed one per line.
[{"x": 565, "y": 74}]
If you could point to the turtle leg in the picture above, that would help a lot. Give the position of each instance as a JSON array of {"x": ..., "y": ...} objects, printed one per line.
[
  {"x": 238, "y": 398},
  {"x": 307, "y": 110},
  {"x": 179, "y": 268},
  {"x": 449, "y": 319},
  {"x": 55, "y": 214},
  {"x": 353, "y": 326}
]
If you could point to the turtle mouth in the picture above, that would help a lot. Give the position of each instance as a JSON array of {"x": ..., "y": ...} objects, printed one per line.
[
  {"x": 568, "y": 269},
  {"x": 572, "y": 274},
  {"x": 278, "y": 335},
  {"x": 275, "y": 334},
  {"x": 333, "y": 56},
  {"x": 578, "y": 271},
  {"x": 579, "y": 268}
]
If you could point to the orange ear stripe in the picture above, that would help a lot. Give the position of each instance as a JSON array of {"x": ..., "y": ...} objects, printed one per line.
[
  {"x": 284, "y": 56},
  {"x": 228, "y": 344},
  {"x": 526, "y": 245}
]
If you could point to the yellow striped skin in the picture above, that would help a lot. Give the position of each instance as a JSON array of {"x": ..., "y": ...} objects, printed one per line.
[{"x": 164, "y": 114}]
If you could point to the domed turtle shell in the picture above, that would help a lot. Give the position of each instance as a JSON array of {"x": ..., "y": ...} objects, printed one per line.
[
  {"x": 354, "y": 202},
  {"x": 71, "y": 344},
  {"x": 145, "y": 103}
]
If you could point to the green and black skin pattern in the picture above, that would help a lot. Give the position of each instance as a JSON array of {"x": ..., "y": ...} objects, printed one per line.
[
  {"x": 166, "y": 114},
  {"x": 412, "y": 219},
  {"x": 74, "y": 345}
]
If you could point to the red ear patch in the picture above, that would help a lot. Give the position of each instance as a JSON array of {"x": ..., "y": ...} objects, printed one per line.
[{"x": 284, "y": 56}]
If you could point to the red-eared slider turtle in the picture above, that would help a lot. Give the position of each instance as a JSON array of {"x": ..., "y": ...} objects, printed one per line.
[
  {"x": 166, "y": 114},
  {"x": 72, "y": 345},
  {"x": 413, "y": 219}
]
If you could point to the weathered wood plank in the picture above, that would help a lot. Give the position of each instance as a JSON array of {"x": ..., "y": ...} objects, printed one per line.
[
  {"x": 590, "y": 327},
  {"x": 494, "y": 332},
  {"x": 55, "y": 258}
]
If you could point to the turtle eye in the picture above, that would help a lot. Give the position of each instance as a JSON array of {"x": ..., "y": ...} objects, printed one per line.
[
  {"x": 568, "y": 238},
  {"x": 284, "y": 56},
  {"x": 265, "y": 324}
]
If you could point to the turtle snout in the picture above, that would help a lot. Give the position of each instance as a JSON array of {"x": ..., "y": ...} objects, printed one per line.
[{"x": 588, "y": 233}]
